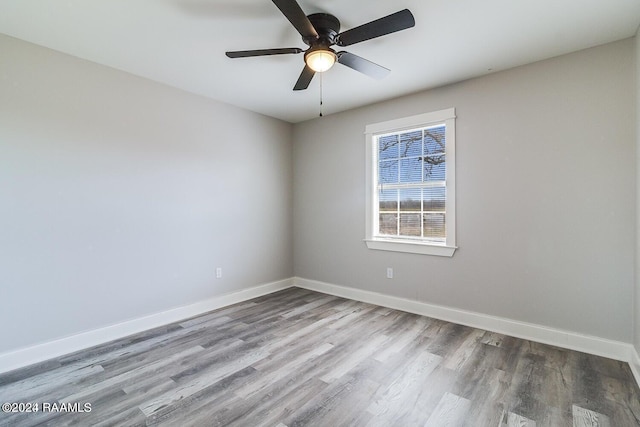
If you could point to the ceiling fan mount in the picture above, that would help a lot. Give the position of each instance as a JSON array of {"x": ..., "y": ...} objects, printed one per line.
[
  {"x": 320, "y": 31},
  {"x": 327, "y": 26}
]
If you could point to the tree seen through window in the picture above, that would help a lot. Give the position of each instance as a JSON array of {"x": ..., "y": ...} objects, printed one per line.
[{"x": 411, "y": 180}]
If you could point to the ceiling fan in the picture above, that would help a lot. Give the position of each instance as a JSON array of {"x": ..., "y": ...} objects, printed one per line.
[{"x": 320, "y": 31}]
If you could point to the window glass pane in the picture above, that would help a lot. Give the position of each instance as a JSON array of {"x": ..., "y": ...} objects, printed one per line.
[
  {"x": 411, "y": 144},
  {"x": 388, "y": 224},
  {"x": 388, "y": 212},
  {"x": 434, "y": 199},
  {"x": 434, "y": 225},
  {"x": 434, "y": 140},
  {"x": 388, "y": 147},
  {"x": 411, "y": 170},
  {"x": 388, "y": 172},
  {"x": 410, "y": 224},
  {"x": 388, "y": 200},
  {"x": 434, "y": 168},
  {"x": 410, "y": 199}
]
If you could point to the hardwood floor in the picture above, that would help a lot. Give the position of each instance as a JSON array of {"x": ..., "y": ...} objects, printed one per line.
[{"x": 298, "y": 358}]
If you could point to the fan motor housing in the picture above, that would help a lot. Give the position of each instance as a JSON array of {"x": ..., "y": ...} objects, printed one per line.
[{"x": 327, "y": 26}]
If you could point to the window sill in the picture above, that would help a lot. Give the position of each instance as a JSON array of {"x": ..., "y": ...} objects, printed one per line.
[{"x": 411, "y": 247}]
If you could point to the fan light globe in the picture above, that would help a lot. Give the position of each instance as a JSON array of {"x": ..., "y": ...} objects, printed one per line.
[{"x": 320, "y": 60}]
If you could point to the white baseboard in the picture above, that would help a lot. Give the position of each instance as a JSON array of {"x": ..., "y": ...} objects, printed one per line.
[
  {"x": 570, "y": 340},
  {"x": 565, "y": 339},
  {"x": 48, "y": 350},
  {"x": 634, "y": 363}
]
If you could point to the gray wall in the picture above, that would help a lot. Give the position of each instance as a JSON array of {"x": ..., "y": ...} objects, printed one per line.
[
  {"x": 119, "y": 196},
  {"x": 637, "y": 299},
  {"x": 546, "y": 196}
]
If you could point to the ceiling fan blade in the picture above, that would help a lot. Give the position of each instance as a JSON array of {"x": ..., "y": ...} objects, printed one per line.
[
  {"x": 304, "y": 79},
  {"x": 262, "y": 52},
  {"x": 365, "y": 66},
  {"x": 389, "y": 24},
  {"x": 292, "y": 11}
]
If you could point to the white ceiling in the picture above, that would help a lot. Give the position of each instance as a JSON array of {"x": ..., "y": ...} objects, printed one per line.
[{"x": 182, "y": 43}]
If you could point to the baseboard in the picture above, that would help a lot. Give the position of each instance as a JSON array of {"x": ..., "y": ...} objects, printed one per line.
[
  {"x": 48, "y": 350},
  {"x": 565, "y": 339},
  {"x": 543, "y": 334},
  {"x": 634, "y": 363}
]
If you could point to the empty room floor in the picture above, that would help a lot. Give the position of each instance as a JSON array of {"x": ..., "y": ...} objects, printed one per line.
[{"x": 298, "y": 357}]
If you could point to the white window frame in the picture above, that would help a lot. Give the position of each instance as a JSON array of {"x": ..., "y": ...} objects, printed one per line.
[{"x": 411, "y": 245}]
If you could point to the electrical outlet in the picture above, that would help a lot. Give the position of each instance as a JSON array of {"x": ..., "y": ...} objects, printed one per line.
[
  {"x": 218, "y": 273},
  {"x": 389, "y": 273}
]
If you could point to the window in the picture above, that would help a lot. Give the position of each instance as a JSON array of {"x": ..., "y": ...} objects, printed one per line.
[{"x": 411, "y": 184}]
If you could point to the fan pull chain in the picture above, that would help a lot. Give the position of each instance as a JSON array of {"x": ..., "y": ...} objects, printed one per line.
[{"x": 321, "y": 94}]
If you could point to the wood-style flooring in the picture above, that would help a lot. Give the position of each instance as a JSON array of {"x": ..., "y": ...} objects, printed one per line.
[{"x": 297, "y": 358}]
